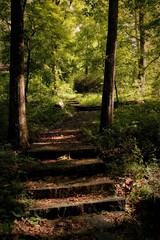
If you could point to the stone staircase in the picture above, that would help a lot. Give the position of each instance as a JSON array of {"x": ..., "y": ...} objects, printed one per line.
[
  {"x": 69, "y": 182},
  {"x": 61, "y": 188}
]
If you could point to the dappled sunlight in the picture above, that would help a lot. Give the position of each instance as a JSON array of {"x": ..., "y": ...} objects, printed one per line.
[
  {"x": 59, "y": 135},
  {"x": 68, "y": 135},
  {"x": 59, "y": 139}
]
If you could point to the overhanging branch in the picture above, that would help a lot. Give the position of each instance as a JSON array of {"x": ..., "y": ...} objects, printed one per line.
[{"x": 153, "y": 60}]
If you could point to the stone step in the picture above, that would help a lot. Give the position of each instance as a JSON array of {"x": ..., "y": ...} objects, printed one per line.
[
  {"x": 73, "y": 101},
  {"x": 79, "y": 107},
  {"x": 78, "y": 167},
  {"x": 88, "y": 226},
  {"x": 52, "y": 189},
  {"x": 44, "y": 151},
  {"x": 82, "y": 204}
]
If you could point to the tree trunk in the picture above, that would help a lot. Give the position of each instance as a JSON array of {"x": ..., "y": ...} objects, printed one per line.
[
  {"x": 18, "y": 133},
  {"x": 28, "y": 73},
  {"x": 54, "y": 79},
  {"x": 142, "y": 59},
  {"x": 109, "y": 71},
  {"x": 116, "y": 89},
  {"x": 136, "y": 48}
]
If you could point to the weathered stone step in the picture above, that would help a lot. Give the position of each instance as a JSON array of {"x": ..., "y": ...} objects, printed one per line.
[
  {"x": 88, "y": 226},
  {"x": 48, "y": 151},
  {"x": 78, "y": 167},
  {"x": 92, "y": 203},
  {"x": 85, "y": 227},
  {"x": 73, "y": 101},
  {"x": 79, "y": 107},
  {"x": 41, "y": 189}
]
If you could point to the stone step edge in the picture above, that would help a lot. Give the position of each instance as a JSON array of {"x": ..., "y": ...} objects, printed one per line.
[
  {"x": 86, "y": 168},
  {"x": 75, "y": 209},
  {"x": 68, "y": 165},
  {"x": 83, "y": 184},
  {"x": 49, "y": 152},
  {"x": 72, "y": 190},
  {"x": 80, "y": 107}
]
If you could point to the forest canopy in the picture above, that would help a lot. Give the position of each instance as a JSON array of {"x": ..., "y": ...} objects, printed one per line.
[{"x": 65, "y": 44}]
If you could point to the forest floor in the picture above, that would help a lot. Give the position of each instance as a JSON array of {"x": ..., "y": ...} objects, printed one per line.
[{"x": 101, "y": 226}]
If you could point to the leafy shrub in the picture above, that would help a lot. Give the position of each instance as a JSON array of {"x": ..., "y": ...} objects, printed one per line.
[
  {"x": 11, "y": 190},
  {"x": 132, "y": 145}
]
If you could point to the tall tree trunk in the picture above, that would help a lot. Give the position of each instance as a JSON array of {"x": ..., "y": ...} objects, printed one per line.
[
  {"x": 136, "y": 31},
  {"x": 18, "y": 133},
  {"x": 109, "y": 71},
  {"x": 28, "y": 72},
  {"x": 29, "y": 49},
  {"x": 137, "y": 49},
  {"x": 116, "y": 89},
  {"x": 86, "y": 70},
  {"x": 142, "y": 59},
  {"x": 54, "y": 78}
]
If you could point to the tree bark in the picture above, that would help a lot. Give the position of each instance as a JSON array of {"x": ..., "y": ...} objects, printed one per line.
[
  {"x": 28, "y": 73},
  {"x": 54, "y": 78},
  {"x": 17, "y": 132},
  {"x": 142, "y": 59},
  {"x": 109, "y": 71}
]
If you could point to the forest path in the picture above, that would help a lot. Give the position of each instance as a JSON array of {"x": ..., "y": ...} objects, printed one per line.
[
  {"x": 70, "y": 188},
  {"x": 67, "y": 134},
  {"x": 66, "y": 138}
]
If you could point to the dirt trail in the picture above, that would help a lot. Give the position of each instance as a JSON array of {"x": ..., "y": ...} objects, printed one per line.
[{"x": 68, "y": 133}]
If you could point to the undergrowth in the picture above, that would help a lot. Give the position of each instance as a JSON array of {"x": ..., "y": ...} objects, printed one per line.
[
  {"x": 45, "y": 114},
  {"x": 13, "y": 169},
  {"x": 131, "y": 149},
  {"x": 42, "y": 114}
]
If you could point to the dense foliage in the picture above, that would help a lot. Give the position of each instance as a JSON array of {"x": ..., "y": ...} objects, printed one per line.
[{"x": 65, "y": 42}]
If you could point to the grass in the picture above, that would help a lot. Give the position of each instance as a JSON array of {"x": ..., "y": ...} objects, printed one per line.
[{"x": 91, "y": 99}]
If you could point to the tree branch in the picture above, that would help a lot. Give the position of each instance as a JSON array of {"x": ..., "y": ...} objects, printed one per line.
[
  {"x": 153, "y": 60},
  {"x": 130, "y": 35}
]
